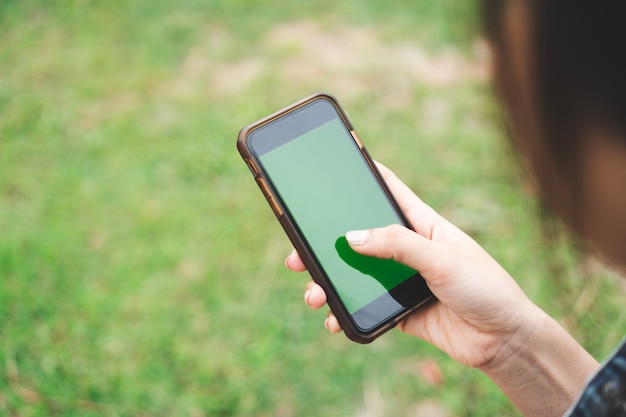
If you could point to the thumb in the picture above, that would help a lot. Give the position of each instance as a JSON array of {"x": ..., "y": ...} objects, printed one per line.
[
  {"x": 456, "y": 270},
  {"x": 403, "y": 245}
]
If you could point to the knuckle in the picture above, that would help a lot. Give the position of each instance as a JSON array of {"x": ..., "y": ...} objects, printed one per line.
[
  {"x": 392, "y": 237},
  {"x": 394, "y": 231},
  {"x": 396, "y": 242}
]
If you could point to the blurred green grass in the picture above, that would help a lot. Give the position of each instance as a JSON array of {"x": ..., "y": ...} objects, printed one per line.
[{"x": 141, "y": 273}]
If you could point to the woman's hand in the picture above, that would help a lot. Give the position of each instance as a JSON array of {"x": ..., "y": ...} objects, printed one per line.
[
  {"x": 480, "y": 306},
  {"x": 482, "y": 318}
]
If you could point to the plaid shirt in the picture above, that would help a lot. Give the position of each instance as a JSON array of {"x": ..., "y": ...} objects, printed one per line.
[{"x": 605, "y": 394}]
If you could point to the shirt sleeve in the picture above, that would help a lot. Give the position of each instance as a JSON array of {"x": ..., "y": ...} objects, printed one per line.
[{"x": 605, "y": 394}]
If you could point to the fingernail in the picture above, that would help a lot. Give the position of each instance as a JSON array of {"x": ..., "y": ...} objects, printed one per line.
[
  {"x": 289, "y": 259},
  {"x": 357, "y": 237},
  {"x": 307, "y": 293},
  {"x": 326, "y": 323}
]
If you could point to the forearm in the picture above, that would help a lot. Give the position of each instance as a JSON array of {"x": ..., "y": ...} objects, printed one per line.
[{"x": 542, "y": 373}]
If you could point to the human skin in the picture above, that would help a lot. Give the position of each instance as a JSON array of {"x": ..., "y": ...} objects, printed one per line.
[{"x": 482, "y": 319}]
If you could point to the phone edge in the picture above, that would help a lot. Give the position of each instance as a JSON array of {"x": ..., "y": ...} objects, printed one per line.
[{"x": 350, "y": 329}]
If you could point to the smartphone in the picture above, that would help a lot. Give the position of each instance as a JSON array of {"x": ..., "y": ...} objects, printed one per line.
[{"x": 321, "y": 182}]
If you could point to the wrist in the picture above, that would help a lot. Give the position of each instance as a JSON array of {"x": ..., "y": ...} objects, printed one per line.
[
  {"x": 514, "y": 347},
  {"x": 541, "y": 368}
]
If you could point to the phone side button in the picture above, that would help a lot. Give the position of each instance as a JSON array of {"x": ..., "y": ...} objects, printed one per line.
[
  {"x": 270, "y": 198},
  {"x": 275, "y": 206},
  {"x": 252, "y": 166},
  {"x": 356, "y": 138}
]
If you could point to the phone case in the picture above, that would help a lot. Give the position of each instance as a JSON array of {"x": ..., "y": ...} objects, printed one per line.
[{"x": 349, "y": 328}]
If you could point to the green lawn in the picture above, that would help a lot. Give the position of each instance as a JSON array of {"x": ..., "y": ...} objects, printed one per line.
[{"x": 141, "y": 271}]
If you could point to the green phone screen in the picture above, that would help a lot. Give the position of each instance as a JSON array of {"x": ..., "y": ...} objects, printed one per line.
[{"x": 328, "y": 188}]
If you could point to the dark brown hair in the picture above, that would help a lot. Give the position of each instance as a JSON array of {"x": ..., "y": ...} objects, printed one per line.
[{"x": 573, "y": 79}]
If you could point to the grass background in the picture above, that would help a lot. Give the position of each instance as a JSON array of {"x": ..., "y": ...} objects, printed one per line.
[{"x": 141, "y": 272}]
